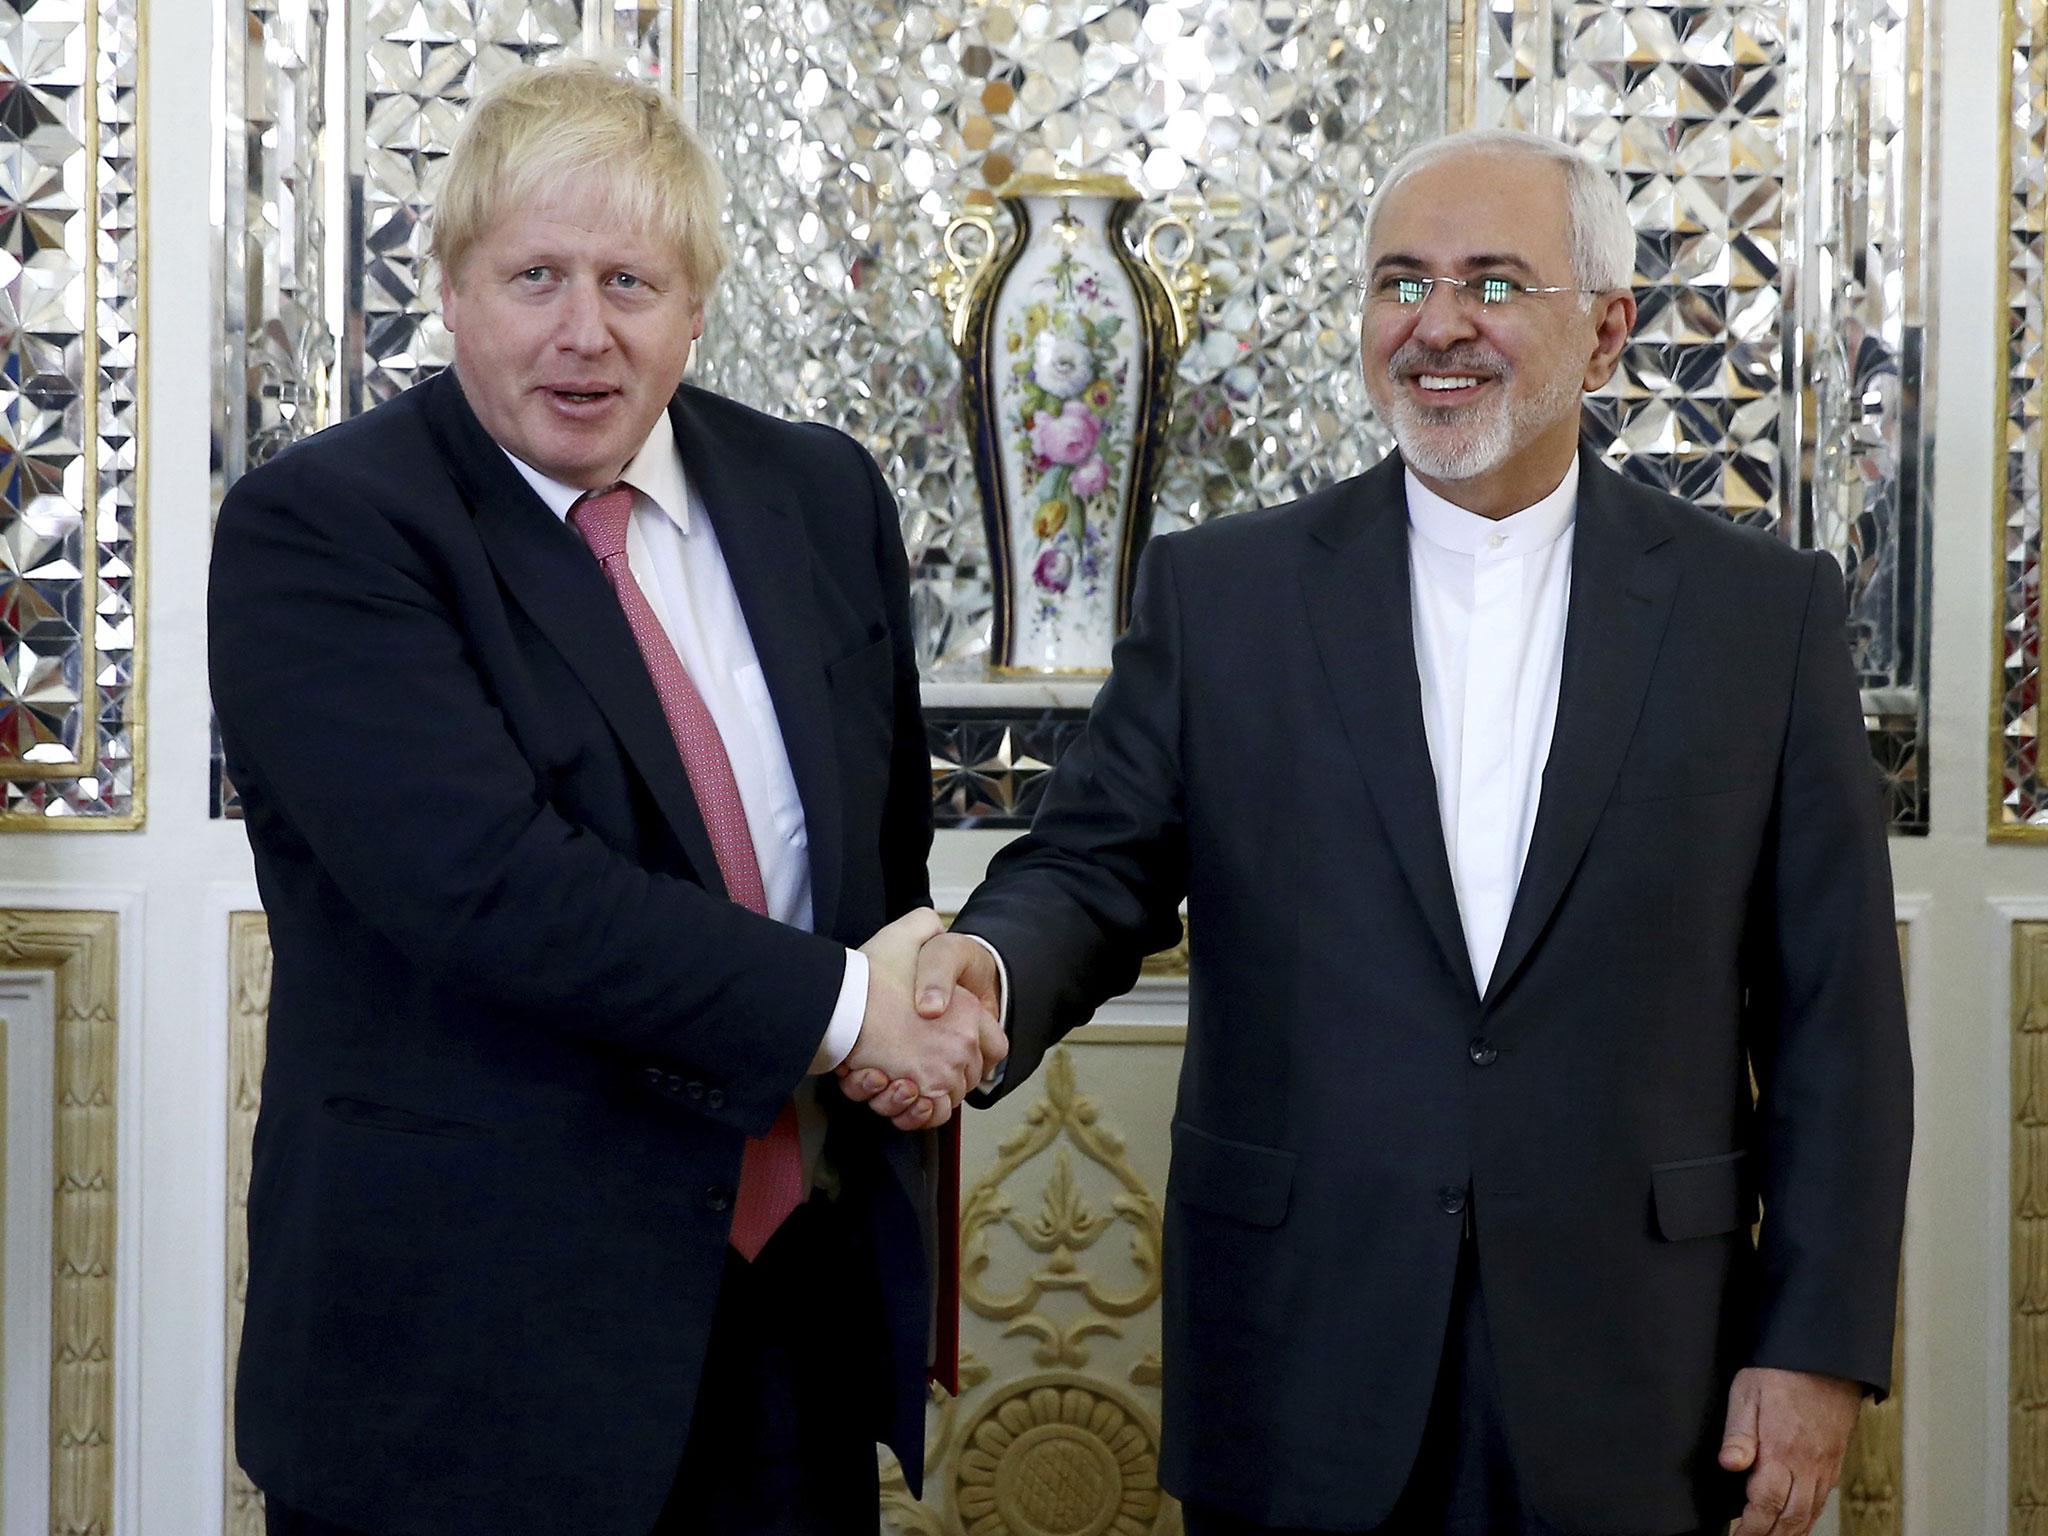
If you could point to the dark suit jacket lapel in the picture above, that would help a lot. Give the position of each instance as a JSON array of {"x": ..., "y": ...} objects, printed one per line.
[
  {"x": 549, "y": 571},
  {"x": 761, "y": 534},
  {"x": 1356, "y": 586},
  {"x": 1621, "y": 595}
]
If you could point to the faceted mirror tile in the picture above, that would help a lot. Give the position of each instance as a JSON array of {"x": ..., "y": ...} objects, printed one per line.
[
  {"x": 2020, "y": 793},
  {"x": 855, "y": 133},
  {"x": 69, "y": 425}
]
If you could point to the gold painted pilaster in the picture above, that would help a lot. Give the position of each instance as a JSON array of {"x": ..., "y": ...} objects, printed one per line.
[
  {"x": 248, "y": 1017},
  {"x": 1060, "y": 1225},
  {"x": 78, "y": 950},
  {"x": 2027, "y": 1443},
  {"x": 1872, "y": 1497}
]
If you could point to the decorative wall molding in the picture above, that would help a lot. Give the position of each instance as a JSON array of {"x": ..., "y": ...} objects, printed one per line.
[
  {"x": 2027, "y": 1443},
  {"x": 248, "y": 1018},
  {"x": 79, "y": 949},
  {"x": 1061, "y": 1231},
  {"x": 2018, "y": 809},
  {"x": 1872, "y": 1492}
]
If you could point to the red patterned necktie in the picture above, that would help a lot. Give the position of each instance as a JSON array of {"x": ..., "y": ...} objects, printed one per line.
[{"x": 772, "y": 1169}]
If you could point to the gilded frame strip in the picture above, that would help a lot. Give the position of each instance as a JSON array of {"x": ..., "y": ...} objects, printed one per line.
[
  {"x": 1872, "y": 1495},
  {"x": 2015, "y": 514},
  {"x": 79, "y": 951},
  {"x": 248, "y": 1017},
  {"x": 2027, "y": 1344}
]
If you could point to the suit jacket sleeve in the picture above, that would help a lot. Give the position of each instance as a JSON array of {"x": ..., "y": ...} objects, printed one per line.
[
  {"x": 1826, "y": 1030},
  {"x": 1076, "y": 904},
  {"x": 380, "y": 770}
]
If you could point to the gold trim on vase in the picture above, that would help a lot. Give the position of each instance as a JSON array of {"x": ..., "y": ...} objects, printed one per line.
[
  {"x": 80, "y": 952},
  {"x": 1063, "y": 184}
]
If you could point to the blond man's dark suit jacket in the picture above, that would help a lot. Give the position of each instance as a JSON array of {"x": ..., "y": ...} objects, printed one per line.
[{"x": 518, "y": 1035}]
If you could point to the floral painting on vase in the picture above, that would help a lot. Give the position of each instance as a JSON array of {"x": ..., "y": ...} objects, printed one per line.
[{"x": 1069, "y": 354}]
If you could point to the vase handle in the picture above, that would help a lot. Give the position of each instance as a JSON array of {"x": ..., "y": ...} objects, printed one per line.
[
  {"x": 956, "y": 279},
  {"x": 1186, "y": 281}
]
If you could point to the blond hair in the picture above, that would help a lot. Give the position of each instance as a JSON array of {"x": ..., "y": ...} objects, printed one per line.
[{"x": 542, "y": 129}]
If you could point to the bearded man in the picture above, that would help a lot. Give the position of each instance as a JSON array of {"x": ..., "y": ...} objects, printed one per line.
[{"x": 1523, "y": 815}]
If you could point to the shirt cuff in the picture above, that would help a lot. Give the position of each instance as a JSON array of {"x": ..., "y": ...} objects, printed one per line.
[
  {"x": 993, "y": 1078},
  {"x": 843, "y": 1033}
]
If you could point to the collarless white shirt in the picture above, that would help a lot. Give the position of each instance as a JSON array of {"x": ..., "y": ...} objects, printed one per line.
[
  {"x": 672, "y": 551},
  {"x": 1489, "y": 598}
]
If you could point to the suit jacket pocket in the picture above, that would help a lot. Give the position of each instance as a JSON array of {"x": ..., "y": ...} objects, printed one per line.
[
  {"x": 1701, "y": 1196},
  {"x": 863, "y": 670},
  {"x": 1231, "y": 1178},
  {"x": 410, "y": 1122}
]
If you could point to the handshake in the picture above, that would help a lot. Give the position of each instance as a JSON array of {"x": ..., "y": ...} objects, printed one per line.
[{"x": 932, "y": 1029}]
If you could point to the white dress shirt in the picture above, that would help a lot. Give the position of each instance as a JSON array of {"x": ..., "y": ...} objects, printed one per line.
[
  {"x": 1489, "y": 599},
  {"x": 673, "y": 553}
]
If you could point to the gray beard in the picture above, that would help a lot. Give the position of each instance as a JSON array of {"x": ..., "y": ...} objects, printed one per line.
[{"x": 1479, "y": 447}]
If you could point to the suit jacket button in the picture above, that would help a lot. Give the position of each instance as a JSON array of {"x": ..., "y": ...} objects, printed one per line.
[
  {"x": 653, "y": 1076},
  {"x": 674, "y": 1083},
  {"x": 1483, "y": 1053},
  {"x": 715, "y": 1098},
  {"x": 718, "y": 1198},
  {"x": 1452, "y": 1198},
  {"x": 694, "y": 1089}
]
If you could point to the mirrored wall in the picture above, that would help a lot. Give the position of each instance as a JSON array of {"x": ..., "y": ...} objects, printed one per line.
[{"x": 1774, "y": 157}]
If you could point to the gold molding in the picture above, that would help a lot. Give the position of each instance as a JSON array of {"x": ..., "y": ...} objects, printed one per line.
[
  {"x": 1129, "y": 1034},
  {"x": 1461, "y": 64},
  {"x": 248, "y": 1018},
  {"x": 1997, "y": 828},
  {"x": 1872, "y": 1495},
  {"x": 1170, "y": 963},
  {"x": 2027, "y": 1385},
  {"x": 1059, "y": 1453},
  {"x": 1872, "y": 1492},
  {"x": 80, "y": 952},
  {"x": 1066, "y": 1227},
  {"x": 1058, "y": 1439}
]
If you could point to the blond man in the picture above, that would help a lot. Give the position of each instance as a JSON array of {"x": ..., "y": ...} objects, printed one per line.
[{"x": 575, "y": 717}]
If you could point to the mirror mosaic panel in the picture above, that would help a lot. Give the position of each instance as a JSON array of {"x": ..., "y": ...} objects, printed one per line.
[
  {"x": 1776, "y": 160},
  {"x": 2019, "y": 791},
  {"x": 70, "y": 461},
  {"x": 1773, "y": 153}
]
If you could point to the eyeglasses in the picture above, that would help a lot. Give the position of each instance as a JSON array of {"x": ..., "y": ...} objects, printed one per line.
[{"x": 1406, "y": 291}]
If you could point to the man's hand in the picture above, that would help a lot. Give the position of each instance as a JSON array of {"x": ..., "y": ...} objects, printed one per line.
[
  {"x": 950, "y": 960},
  {"x": 927, "y": 1062},
  {"x": 952, "y": 973},
  {"x": 1788, "y": 1430}
]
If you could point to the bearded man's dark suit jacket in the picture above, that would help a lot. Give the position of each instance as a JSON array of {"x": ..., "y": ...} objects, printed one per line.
[
  {"x": 1707, "y": 891},
  {"x": 518, "y": 1034}
]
